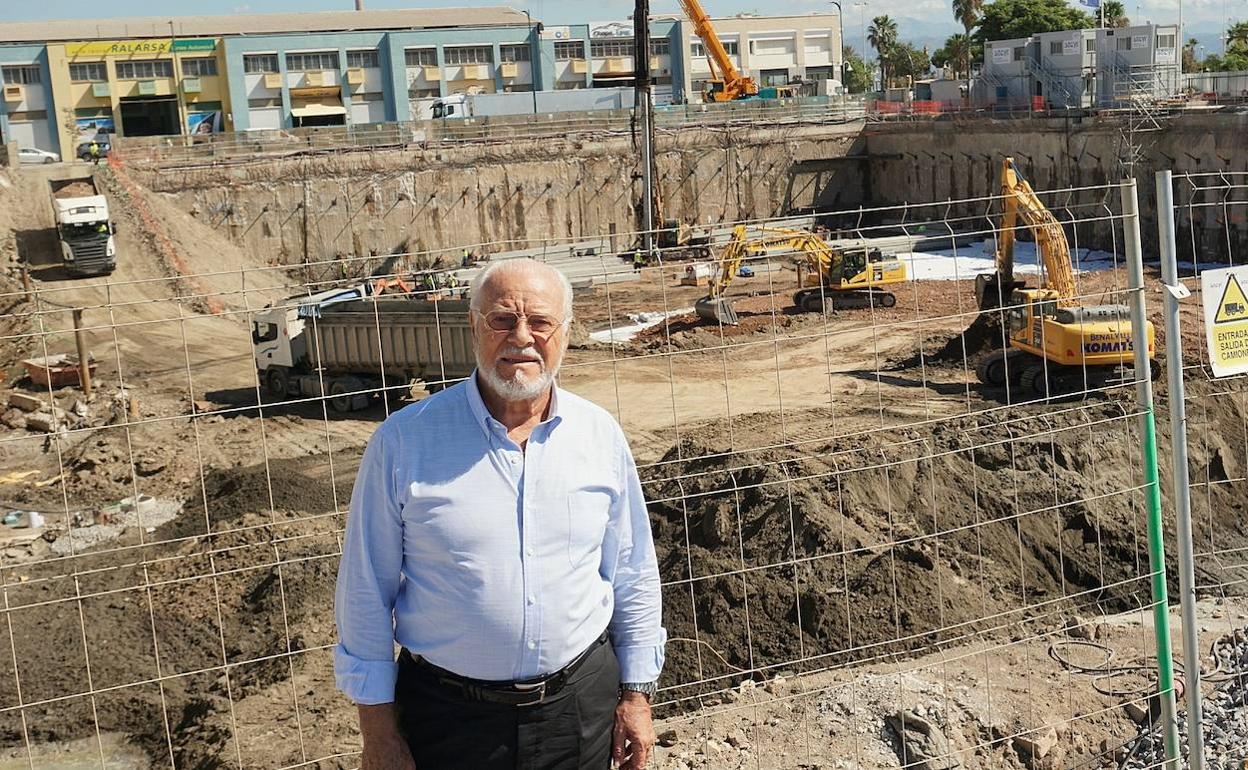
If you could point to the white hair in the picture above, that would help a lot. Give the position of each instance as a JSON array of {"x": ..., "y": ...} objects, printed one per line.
[{"x": 518, "y": 265}]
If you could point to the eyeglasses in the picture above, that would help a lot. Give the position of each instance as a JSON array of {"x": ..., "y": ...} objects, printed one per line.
[{"x": 506, "y": 321}]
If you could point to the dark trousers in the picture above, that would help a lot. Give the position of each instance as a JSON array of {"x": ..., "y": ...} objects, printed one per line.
[{"x": 570, "y": 731}]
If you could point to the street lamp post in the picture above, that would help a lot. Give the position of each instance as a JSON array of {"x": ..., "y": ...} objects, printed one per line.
[
  {"x": 863, "y": 19},
  {"x": 840, "y": 23},
  {"x": 534, "y": 54}
]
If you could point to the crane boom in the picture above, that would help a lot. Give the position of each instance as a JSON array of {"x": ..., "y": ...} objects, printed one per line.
[{"x": 733, "y": 84}]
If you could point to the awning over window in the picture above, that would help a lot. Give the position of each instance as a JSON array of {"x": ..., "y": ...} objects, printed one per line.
[{"x": 317, "y": 110}]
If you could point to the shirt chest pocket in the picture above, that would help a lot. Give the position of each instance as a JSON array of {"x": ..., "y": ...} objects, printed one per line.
[{"x": 587, "y": 513}]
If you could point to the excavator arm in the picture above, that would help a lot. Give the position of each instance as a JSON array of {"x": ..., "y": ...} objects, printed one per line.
[
  {"x": 734, "y": 84},
  {"x": 1021, "y": 203}
]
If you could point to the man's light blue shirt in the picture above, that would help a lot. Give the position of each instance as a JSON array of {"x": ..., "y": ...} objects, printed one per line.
[{"x": 492, "y": 561}]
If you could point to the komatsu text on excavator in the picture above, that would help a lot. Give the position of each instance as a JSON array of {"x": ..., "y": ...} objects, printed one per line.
[
  {"x": 1055, "y": 345},
  {"x": 838, "y": 279}
]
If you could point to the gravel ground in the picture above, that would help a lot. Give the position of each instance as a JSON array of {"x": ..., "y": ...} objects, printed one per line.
[{"x": 1225, "y": 714}]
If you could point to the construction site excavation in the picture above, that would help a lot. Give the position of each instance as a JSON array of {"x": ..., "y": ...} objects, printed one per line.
[{"x": 899, "y": 388}]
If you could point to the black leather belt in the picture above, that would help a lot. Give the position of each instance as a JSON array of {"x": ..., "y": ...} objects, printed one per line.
[{"x": 529, "y": 692}]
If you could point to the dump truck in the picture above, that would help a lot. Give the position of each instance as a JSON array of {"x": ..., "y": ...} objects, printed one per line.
[
  {"x": 528, "y": 103},
  {"x": 351, "y": 346},
  {"x": 83, "y": 226}
]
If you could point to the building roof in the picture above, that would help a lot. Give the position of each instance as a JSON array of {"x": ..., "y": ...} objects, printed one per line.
[{"x": 258, "y": 24}]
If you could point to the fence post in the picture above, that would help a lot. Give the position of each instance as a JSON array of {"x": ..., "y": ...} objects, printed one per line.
[
  {"x": 1152, "y": 485},
  {"x": 1174, "y": 291}
]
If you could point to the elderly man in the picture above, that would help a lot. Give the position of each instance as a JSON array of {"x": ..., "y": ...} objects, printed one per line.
[{"x": 498, "y": 534}]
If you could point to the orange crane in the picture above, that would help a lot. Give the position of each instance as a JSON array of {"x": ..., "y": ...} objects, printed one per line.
[{"x": 727, "y": 83}]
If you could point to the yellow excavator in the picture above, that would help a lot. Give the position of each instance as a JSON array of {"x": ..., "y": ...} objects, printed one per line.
[
  {"x": 727, "y": 82},
  {"x": 1055, "y": 345},
  {"x": 843, "y": 279}
]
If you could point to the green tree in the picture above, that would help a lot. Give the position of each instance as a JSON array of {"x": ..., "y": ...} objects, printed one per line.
[
  {"x": 967, "y": 12},
  {"x": 857, "y": 72},
  {"x": 882, "y": 36},
  {"x": 1237, "y": 36},
  {"x": 1010, "y": 19},
  {"x": 1115, "y": 14},
  {"x": 1190, "y": 64},
  {"x": 905, "y": 61},
  {"x": 958, "y": 50}
]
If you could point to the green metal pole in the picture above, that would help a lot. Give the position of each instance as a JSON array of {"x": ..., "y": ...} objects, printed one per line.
[{"x": 1152, "y": 483}]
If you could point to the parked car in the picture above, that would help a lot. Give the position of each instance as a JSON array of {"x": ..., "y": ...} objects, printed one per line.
[
  {"x": 84, "y": 150},
  {"x": 36, "y": 155}
]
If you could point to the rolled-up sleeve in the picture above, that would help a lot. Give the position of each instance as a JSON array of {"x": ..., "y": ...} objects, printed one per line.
[
  {"x": 368, "y": 581},
  {"x": 636, "y": 627}
]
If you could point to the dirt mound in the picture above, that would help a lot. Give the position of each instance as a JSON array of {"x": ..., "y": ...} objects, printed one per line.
[
  {"x": 228, "y": 495},
  {"x": 178, "y": 610},
  {"x": 869, "y": 548}
]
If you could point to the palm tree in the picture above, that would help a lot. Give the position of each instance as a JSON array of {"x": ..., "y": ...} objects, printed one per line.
[
  {"x": 1115, "y": 14},
  {"x": 958, "y": 49},
  {"x": 882, "y": 36},
  {"x": 967, "y": 14},
  {"x": 1237, "y": 35}
]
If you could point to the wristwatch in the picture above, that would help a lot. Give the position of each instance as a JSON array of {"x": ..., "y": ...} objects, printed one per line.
[{"x": 648, "y": 689}]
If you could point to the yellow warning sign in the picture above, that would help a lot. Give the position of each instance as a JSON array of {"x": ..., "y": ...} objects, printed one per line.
[
  {"x": 1226, "y": 319},
  {"x": 1234, "y": 305}
]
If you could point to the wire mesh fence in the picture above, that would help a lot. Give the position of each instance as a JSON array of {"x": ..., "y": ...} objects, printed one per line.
[
  {"x": 1206, "y": 216},
  {"x": 869, "y": 556}
]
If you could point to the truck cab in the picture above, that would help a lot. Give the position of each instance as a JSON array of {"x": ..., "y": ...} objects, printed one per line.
[
  {"x": 88, "y": 246},
  {"x": 454, "y": 106}
]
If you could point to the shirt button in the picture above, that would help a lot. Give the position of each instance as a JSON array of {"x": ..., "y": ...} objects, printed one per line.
[
  {"x": 532, "y": 600},
  {"x": 528, "y": 551},
  {"x": 532, "y": 645}
]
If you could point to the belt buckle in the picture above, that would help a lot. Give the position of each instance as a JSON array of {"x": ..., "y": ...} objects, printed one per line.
[{"x": 539, "y": 688}]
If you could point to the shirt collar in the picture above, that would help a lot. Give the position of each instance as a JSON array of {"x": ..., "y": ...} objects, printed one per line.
[{"x": 486, "y": 420}]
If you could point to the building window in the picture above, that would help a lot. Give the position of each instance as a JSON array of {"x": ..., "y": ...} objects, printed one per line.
[
  {"x": 144, "y": 69},
  {"x": 89, "y": 72},
  {"x": 514, "y": 52},
  {"x": 24, "y": 75},
  {"x": 312, "y": 62},
  {"x": 1165, "y": 41},
  {"x": 264, "y": 103},
  {"x": 477, "y": 54},
  {"x": 416, "y": 92},
  {"x": 698, "y": 50},
  {"x": 362, "y": 60},
  {"x": 1055, "y": 48},
  {"x": 260, "y": 63},
  {"x": 1020, "y": 52},
  {"x": 421, "y": 57},
  {"x": 1124, "y": 43},
  {"x": 199, "y": 67},
  {"x": 602, "y": 49},
  {"x": 566, "y": 50},
  {"x": 660, "y": 47},
  {"x": 1089, "y": 45}
]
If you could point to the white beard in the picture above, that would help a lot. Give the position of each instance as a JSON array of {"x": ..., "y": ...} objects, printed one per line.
[{"x": 519, "y": 387}]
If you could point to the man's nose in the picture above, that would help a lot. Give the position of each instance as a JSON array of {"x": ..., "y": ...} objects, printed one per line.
[{"x": 521, "y": 335}]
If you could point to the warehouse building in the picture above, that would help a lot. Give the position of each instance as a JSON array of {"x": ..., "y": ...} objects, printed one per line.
[{"x": 66, "y": 82}]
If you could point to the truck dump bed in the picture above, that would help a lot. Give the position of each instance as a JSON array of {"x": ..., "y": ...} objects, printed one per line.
[
  {"x": 80, "y": 187},
  {"x": 408, "y": 339}
]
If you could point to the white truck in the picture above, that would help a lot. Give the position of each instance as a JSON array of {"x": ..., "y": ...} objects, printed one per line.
[
  {"x": 460, "y": 106},
  {"x": 83, "y": 226},
  {"x": 349, "y": 345}
]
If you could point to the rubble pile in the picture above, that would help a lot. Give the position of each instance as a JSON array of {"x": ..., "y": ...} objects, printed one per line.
[{"x": 1225, "y": 714}]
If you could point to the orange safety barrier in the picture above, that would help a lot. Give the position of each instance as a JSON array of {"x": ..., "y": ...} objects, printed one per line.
[{"x": 1037, "y": 103}]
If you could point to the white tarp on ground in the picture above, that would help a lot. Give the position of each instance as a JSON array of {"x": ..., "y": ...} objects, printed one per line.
[{"x": 966, "y": 262}]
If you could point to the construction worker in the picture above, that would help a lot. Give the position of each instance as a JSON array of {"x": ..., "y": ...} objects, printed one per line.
[
  {"x": 639, "y": 260},
  {"x": 102, "y": 227},
  {"x": 94, "y": 149},
  {"x": 467, "y": 260}
]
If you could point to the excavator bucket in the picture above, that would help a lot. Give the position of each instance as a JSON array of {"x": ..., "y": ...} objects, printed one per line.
[
  {"x": 991, "y": 291},
  {"x": 716, "y": 309}
]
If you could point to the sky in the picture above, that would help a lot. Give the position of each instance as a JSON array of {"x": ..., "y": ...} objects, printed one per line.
[{"x": 922, "y": 22}]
